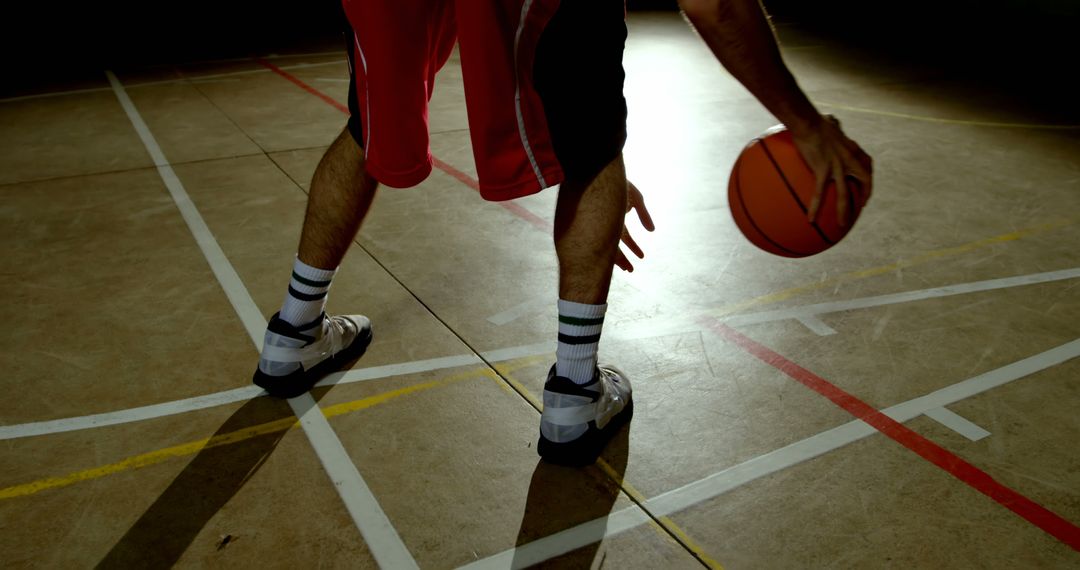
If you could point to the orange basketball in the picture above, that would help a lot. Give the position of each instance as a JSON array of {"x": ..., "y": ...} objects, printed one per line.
[{"x": 769, "y": 194}]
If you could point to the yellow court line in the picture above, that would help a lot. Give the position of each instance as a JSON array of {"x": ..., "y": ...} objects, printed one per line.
[
  {"x": 521, "y": 389},
  {"x": 875, "y": 271},
  {"x": 665, "y": 522},
  {"x": 948, "y": 121},
  {"x": 364, "y": 403},
  {"x": 511, "y": 384},
  {"x": 193, "y": 447},
  {"x": 665, "y": 525},
  {"x": 146, "y": 459}
]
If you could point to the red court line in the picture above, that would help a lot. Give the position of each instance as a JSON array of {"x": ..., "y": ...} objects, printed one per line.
[
  {"x": 512, "y": 207},
  {"x": 465, "y": 179},
  {"x": 979, "y": 480},
  {"x": 328, "y": 99}
]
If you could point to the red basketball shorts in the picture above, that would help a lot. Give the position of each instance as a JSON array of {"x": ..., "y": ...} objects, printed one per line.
[{"x": 543, "y": 87}]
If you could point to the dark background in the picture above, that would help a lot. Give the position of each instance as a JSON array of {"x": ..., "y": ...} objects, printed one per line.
[{"x": 59, "y": 42}]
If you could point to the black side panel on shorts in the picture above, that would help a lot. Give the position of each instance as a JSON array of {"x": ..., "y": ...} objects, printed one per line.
[
  {"x": 356, "y": 129},
  {"x": 579, "y": 76}
]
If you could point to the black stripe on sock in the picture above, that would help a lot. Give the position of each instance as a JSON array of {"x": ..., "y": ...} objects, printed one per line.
[
  {"x": 318, "y": 321},
  {"x": 570, "y": 339},
  {"x": 304, "y": 296},
  {"x": 581, "y": 322},
  {"x": 310, "y": 282}
]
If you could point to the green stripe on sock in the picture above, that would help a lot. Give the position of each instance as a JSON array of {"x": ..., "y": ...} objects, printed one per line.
[{"x": 581, "y": 322}]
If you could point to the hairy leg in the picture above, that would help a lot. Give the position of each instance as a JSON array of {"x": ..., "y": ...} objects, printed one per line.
[
  {"x": 340, "y": 196},
  {"x": 588, "y": 222}
]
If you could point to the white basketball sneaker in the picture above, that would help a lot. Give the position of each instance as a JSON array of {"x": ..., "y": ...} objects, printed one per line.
[
  {"x": 294, "y": 359},
  {"x": 579, "y": 419}
]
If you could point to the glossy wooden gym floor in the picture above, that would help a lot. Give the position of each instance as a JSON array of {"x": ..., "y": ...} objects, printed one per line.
[{"x": 150, "y": 225}]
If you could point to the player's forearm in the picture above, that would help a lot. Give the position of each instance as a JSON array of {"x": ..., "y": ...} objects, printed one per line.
[{"x": 740, "y": 36}]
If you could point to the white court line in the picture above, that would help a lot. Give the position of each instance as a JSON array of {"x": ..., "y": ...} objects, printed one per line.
[
  {"x": 215, "y": 80},
  {"x": 719, "y": 483},
  {"x": 192, "y": 78},
  {"x": 906, "y": 297},
  {"x": 512, "y": 353},
  {"x": 61, "y": 425},
  {"x": 260, "y": 70},
  {"x": 517, "y": 311},
  {"x": 271, "y": 56},
  {"x": 686, "y": 325},
  {"x": 382, "y": 539},
  {"x": 240, "y": 394},
  {"x": 223, "y": 270},
  {"x": 563, "y": 541},
  {"x": 230, "y": 74},
  {"x": 804, "y": 313},
  {"x": 957, "y": 423},
  {"x": 54, "y": 94},
  {"x": 816, "y": 325}
]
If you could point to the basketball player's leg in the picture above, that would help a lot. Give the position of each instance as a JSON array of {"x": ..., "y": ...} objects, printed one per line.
[
  {"x": 340, "y": 197},
  {"x": 386, "y": 139},
  {"x": 578, "y": 74},
  {"x": 584, "y": 402},
  {"x": 302, "y": 344},
  {"x": 588, "y": 222}
]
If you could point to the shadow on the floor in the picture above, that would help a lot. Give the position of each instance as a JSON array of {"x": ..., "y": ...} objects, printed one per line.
[
  {"x": 211, "y": 479},
  {"x": 167, "y": 529},
  {"x": 564, "y": 497}
]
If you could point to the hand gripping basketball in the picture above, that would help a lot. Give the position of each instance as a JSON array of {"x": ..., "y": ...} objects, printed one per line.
[{"x": 782, "y": 206}]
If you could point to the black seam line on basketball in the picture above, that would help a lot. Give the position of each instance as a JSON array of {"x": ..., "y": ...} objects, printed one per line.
[
  {"x": 851, "y": 204},
  {"x": 581, "y": 322},
  {"x": 791, "y": 190},
  {"x": 310, "y": 282},
  {"x": 749, "y": 218},
  {"x": 570, "y": 339},
  {"x": 305, "y": 296}
]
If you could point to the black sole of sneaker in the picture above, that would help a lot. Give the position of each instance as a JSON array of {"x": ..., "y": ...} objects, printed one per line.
[
  {"x": 301, "y": 381},
  {"x": 586, "y": 449}
]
